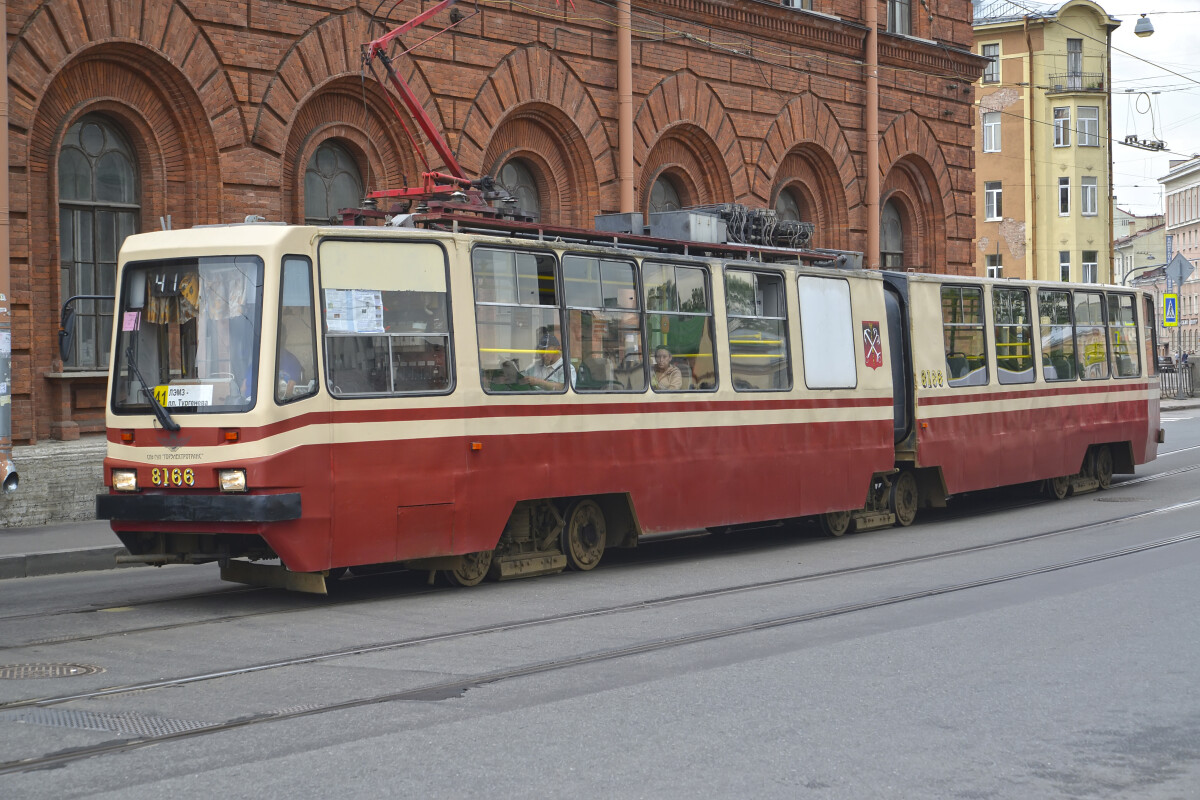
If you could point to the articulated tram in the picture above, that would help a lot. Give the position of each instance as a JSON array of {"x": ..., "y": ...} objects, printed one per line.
[{"x": 505, "y": 403}]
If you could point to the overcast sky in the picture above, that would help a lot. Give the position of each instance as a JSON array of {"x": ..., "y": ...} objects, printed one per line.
[{"x": 1173, "y": 114}]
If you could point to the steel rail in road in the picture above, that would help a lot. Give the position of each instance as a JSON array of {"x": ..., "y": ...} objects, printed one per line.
[
  {"x": 638, "y": 605},
  {"x": 446, "y": 689},
  {"x": 335, "y": 602}
]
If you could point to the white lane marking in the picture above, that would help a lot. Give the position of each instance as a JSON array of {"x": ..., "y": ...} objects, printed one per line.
[{"x": 1181, "y": 450}]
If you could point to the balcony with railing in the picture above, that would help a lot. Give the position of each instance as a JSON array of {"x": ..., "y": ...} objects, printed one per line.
[{"x": 1075, "y": 82}]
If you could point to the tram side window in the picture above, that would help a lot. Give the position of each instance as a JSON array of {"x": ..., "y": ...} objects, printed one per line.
[
  {"x": 1058, "y": 335},
  {"x": 1150, "y": 336},
  {"x": 1013, "y": 330},
  {"x": 757, "y": 328},
  {"x": 604, "y": 324},
  {"x": 517, "y": 316},
  {"x": 1091, "y": 346},
  {"x": 296, "y": 358},
  {"x": 827, "y": 333},
  {"x": 679, "y": 322},
  {"x": 963, "y": 334},
  {"x": 1123, "y": 336},
  {"x": 387, "y": 318}
]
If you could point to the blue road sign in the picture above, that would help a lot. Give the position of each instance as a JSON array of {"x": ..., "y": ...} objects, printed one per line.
[{"x": 1170, "y": 309}]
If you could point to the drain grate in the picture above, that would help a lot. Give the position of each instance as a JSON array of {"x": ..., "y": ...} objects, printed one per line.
[
  {"x": 20, "y": 672},
  {"x": 126, "y": 724},
  {"x": 1120, "y": 500}
]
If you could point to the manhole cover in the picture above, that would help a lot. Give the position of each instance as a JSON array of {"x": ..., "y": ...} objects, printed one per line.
[
  {"x": 1119, "y": 500},
  {"x": 20, "y": 672}
]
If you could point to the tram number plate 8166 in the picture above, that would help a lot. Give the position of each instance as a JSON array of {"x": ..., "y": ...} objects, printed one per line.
[{"x": 162, "y": 476}]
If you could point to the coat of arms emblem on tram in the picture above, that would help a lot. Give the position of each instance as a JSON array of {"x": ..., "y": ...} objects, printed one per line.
[{"x": 872, "y": 345}]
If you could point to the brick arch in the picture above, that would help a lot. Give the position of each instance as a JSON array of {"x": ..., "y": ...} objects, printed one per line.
[
  {"x": 682, "y": 113},
  {"x": 167, "y": 126},
  {"x": 165, "y": 41},
  {"x": 913, "y": 167},
  {"x": 690, "y": 159},
  {"x": 808, "y": 172},
  {"x": 534, "y": 89},
  {"x": 328, "y": 51},
  {"x": 806, "y": 149},
  {"x": 384, "y": 155},
  {"x": 547, "y": 140}
]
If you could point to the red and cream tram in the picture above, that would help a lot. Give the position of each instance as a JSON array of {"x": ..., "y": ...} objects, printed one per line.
[{"x": 496, "y": 404}]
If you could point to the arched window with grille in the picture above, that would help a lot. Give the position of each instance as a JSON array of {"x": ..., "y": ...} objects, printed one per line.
[
  {"x": 331, "y": 182},
  {"x": 664, "y": 195},
  {"x": 518, "y": 180},
  {"x": 98, "y": 206},
  {"x": 891, "y": 237}
]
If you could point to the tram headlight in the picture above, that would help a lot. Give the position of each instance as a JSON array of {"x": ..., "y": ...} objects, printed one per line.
[
  {"x": 232, "y": 480},
  {"x": 124, "y": 480}
]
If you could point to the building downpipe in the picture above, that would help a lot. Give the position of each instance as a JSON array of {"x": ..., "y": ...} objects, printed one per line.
[
  {"x": 872, "y": 122},
  {"x": 7, "y": 467},
  {"x": 625, "y": 106}
]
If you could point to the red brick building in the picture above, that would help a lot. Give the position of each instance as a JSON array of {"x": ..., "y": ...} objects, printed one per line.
[{"x": 127, "y": 112}]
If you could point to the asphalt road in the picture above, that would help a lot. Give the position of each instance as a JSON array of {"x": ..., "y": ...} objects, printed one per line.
[{"x": 1007, "y": 647}]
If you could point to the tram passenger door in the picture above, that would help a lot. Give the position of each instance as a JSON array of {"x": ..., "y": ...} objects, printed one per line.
[{"x": 898, "y": 350}]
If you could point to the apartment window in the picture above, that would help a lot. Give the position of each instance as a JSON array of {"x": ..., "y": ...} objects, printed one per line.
[
  {"x": 991, "y": 73},
  {"x": 995, "y": 267},
  {"x": 991, "y": 132},
  {"x": 1089, "y": 126},
  {"x": 1089, "y": 267},
  {"x": 1064, "y": 265},
  {"x": 1074, "y": 64},
  {"x": 899, "y": 16},
  {"x": 1062, "y": 127},
  {"x": 1088, "y": 197},
  {"x": 1064, "y": 197},
  {"x": 992, "y": 197}
]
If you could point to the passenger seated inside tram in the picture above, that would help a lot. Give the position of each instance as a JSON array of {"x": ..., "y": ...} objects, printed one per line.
[
  {"x": 546, "y": 373},
  {"x": 665, "y": 377}
]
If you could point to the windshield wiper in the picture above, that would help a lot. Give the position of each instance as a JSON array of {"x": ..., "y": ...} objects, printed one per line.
[{"x": 164, "y": 418}]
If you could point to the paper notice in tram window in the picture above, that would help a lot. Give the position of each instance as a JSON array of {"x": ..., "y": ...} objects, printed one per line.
[
  {"x": 354, "y": 310},
  {"x": 338, "y": 316},
  {"x": 368, "y": 311},
  {"x": 189, "y": 395}
]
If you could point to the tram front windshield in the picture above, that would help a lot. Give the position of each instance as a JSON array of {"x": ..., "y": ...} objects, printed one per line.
[{"x": 187, "y": 335}]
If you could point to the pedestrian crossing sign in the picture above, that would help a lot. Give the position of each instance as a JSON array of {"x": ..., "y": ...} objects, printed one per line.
[{"x": 1170, "y": 310}]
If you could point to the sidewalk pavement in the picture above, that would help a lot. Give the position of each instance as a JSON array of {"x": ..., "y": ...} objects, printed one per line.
[{"x": 85, "y": 546}]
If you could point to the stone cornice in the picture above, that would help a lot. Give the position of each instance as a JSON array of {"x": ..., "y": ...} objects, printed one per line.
[
  {"x": 766, "y": 20},
  {"x": 823, "y": 33}
]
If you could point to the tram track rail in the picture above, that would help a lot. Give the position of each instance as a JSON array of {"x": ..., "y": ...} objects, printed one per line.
[
  {"x": 456, "y": 687},
  {"x": 351, "y": 602},
  {"x": 638, "y": 605}
]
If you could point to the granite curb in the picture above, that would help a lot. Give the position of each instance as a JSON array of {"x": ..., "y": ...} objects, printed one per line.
[{"x": 58, "y": 562}]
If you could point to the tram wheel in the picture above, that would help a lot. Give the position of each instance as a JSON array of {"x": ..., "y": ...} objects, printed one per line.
[
  {"x": 904, "y": 498},
  {"x": 836, "y": 523},
  {"x": 1104, "y": 466},
  {"x": 472, "y": 568},
  {"x": 583, "y": 536},
  {"x": 1059, "y": 488}
]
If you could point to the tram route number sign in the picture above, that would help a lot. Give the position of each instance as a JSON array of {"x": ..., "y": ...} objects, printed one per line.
[
  {"x": 184, "y": 396},
  {"x": 1170, "y": 310}
]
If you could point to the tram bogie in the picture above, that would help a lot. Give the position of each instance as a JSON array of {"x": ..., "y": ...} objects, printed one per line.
[{"x": 483, "y": 407}]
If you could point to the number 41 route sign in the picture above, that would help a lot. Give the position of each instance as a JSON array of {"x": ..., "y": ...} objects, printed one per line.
[{"x": 1170, "y": 310}]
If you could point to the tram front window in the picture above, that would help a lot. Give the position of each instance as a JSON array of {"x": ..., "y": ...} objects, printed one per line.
[{"x": 190, "y": 327}]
